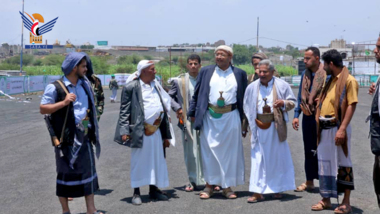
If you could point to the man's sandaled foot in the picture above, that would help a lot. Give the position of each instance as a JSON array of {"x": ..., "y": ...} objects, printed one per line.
[
  {"x": 217, "y": 188},
  {"x": 228, "y": 193},
  {"x": 304, "y": 187},
  {"x": 256, "y": 198},
  {"x": 189, "y": 188},
  {"x": 98, "y": 212},
  {"x": 321, "y": 206},
  {"x": 343, "y": 209},
  {"x": 206, "y": 193}
]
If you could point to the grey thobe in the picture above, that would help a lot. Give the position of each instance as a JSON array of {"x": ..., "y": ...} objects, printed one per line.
[{"x": 191, "y": 146}]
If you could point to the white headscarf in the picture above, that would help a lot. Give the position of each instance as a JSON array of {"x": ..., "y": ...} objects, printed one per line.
[{"x": 142, "y": 65}]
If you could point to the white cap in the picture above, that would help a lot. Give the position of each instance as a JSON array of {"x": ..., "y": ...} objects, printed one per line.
[{"x": 224, "y": 48}]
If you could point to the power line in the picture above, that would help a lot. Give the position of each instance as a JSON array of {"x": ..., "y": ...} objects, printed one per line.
[
  {"x": 261, "y": 37},
  {"x": 284, "y": 41},
  {"x": 248, "y": 40}
]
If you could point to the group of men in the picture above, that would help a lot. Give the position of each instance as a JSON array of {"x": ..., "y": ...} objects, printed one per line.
[{"x": 216, "y": 107}]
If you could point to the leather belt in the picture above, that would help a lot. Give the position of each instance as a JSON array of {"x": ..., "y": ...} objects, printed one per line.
[
  {"x": 224, "y": 109},
  {"x": 328, "y": 124}
]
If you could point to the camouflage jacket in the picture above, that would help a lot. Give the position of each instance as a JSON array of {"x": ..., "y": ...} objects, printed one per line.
[{"x": 99, "y": 95}]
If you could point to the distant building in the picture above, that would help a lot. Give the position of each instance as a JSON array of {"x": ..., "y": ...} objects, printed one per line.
[
  {"x": 133, "y": 48},
  {"x": 220, "y": 42},
  {"x": 337, "y": 44}
]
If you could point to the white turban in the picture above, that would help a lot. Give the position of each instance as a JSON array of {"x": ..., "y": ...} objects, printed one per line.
[
  {"x": 142, "y": 65},
  {"x": 224, "y": 48}
]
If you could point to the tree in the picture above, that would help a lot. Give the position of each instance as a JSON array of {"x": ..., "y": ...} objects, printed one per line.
[
  {"x": 252, "y": 49},
  {"x": 242, "y": 54}
]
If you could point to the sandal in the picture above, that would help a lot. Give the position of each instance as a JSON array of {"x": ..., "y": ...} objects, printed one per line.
[
  {"x": 320, "y": 206},
  {"x": 206, "y": 193},
  {"x": 304, "y": 187},
  {"x": 255, "y": 198},
  {"x": 229, "y": 194},
  {"x": 189, "y": 188},
  {"x": 343, "y": 210},
  {"x": 217, "y": 188}
]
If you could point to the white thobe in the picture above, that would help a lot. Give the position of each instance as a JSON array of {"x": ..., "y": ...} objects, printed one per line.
[
  {"x": 272, "y": 168},
  {"x": 148, "y": 165},
  {"x": 221, "y": 140}
]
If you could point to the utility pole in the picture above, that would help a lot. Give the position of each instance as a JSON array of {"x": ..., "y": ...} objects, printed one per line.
[
  {"x": 170, "y": 61},
  {"x": 22, "y": 38},
  {"x": 257, "y": 38}
]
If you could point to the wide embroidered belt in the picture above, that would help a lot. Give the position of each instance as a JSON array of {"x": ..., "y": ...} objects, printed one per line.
[
  {"x": 217, "y": 112},
  {"x": 328, "y": 124},
  {"x": 222, "y": 110},
  {"x": 151, "y": 129},
  {"x": 263, "y": 121}
]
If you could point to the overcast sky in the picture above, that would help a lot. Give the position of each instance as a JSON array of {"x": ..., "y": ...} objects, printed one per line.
[{"x": 167, "y": 22}]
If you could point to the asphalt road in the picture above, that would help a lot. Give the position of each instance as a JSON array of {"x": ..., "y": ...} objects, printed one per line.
[{"x": 27, "y": 170}]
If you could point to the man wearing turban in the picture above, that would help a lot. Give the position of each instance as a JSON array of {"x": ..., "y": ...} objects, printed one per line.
[
  {"x": 217, "y": 111},
  {"x": 70, "y": 103}
]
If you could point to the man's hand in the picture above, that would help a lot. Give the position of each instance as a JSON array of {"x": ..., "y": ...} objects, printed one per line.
[
  {"x": 193, "y": 119},
  {"x": 69, "y": 98},
  {"x": 166, "y": 143},
  {"x": 179, "y": 113},
  {"x": 278, "y": 104},
  {"x": 372, "y": 89},
  {"x": 339, "y": 137},
  {"x": 296, "y": 124},
  {"x": 125, "y": 137}
]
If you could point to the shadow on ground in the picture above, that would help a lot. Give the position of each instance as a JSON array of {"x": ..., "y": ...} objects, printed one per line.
[{"x": 146, "y": 199}]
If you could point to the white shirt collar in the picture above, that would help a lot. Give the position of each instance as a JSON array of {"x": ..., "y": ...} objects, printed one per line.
[
  {"x": 270, "y": 83},
  {"x": 224, "y": 71},
  {"x": 151, "y": 85}
]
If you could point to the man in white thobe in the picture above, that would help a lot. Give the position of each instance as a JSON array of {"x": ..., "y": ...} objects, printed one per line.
[
  {"x": 217, "y": 111},
  {"x": 144, "y": 124},
  {"x": 266, "y": 103}
]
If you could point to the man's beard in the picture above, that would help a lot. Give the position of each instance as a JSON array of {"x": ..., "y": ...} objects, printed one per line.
[
  {"x": 378, "y": 60},
  {"x": 80, "y": 75}
]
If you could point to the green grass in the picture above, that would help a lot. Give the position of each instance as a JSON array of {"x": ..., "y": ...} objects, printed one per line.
[
  {"x": 104, "y": 68},
  {"x": 51, "y": 65},
  {"x": 42, "y": 70}
]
